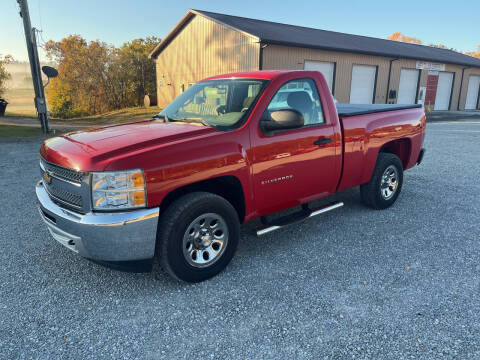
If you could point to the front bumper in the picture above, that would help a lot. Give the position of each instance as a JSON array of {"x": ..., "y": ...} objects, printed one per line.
[{"x": 115, "y": 237}]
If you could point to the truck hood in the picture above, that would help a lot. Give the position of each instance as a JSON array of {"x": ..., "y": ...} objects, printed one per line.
[{"x": 90, "y": 150}]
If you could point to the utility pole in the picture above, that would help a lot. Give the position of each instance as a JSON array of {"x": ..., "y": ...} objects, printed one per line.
[{"x": 30, "y": 37}]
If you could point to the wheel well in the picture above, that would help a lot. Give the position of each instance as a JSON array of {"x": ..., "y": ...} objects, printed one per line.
[
  {"x": 228, "y": 187},
  {"x": 399, "y": 147}
]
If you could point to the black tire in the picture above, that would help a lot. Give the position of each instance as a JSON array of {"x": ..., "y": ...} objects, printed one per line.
[
  {"x": 371, "y": 192},
  {"x": 173, "y": 226}
]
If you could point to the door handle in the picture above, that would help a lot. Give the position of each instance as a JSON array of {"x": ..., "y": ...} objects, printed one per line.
[{"x": 322, "y": 141}]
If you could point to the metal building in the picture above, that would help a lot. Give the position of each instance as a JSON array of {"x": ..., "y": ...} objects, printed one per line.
[{"x": 358, "y": 69}]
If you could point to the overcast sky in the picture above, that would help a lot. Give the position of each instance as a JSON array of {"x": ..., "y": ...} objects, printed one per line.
[{"x": 453, "y": 23}]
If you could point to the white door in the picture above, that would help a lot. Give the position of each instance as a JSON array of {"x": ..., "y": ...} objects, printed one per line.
[
  {"x": 407, "y": 90},
  {"x": 472, "y": 92},
  {"x": 444, "y": 90},
  {"x": 363, "y": 84},
  {"x": 326, "y": 68}
]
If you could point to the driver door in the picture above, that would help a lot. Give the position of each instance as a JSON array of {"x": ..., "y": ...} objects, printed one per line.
[{"x": 291, "y": 167}]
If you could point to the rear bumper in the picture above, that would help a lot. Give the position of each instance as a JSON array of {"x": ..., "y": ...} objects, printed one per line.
[
  {"x": 108, "y": 237},
  {"x": 420, "y": 156}
]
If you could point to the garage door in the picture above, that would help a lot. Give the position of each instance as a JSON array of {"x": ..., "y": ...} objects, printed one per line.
[
  {"x": 472, "y": 93},
  {"x": 363, "y": 84},
  {"x": 444, "y": 89},
  {"x": 407, "y": 90},
  {"x": 326, "y": 68}
]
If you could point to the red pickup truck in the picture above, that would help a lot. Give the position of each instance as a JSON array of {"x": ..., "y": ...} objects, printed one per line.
[{"x": 230, "y": 149}]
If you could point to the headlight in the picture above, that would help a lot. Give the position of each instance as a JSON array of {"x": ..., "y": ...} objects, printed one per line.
[{"x": 118, "y": 190}]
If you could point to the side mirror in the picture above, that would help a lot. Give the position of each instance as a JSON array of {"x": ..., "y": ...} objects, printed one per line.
[{"x": 283, "y": 120}]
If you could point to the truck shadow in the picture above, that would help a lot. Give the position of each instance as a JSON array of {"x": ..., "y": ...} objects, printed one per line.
[{"x": 94, "y": 276}]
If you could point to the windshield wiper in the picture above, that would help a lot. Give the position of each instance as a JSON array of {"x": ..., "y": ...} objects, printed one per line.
[
  {"x": 191, "y": 120},
  {"x": 161, "y": 116}
]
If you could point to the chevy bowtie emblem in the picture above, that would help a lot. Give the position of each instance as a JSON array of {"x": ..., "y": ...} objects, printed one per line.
[{"x": 47, "y": 178}]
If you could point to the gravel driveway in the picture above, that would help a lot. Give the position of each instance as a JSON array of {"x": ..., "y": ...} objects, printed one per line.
[{"x": 355, "y": 283}]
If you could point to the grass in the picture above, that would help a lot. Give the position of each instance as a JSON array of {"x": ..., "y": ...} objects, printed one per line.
[
  {"x": 18, "y": 131},
  {"x": 116, "y": 116},
  {"x": 20, "y": 102}
]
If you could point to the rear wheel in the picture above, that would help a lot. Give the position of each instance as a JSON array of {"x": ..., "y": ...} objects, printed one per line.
[
  {"x": 386, "y": 183},
  {"x": 197, "y": 237}
]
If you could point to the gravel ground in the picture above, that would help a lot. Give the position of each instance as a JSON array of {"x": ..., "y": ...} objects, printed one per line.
[{"x": 355, "y": 283}]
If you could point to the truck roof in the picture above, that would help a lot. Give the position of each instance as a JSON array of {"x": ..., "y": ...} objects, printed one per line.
[{"x": 259, "y": 74}]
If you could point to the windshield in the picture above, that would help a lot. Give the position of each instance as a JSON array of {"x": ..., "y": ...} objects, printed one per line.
[{"x": 223, "y": 104}]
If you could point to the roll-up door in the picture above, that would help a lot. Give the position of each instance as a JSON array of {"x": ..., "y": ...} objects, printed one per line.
[
  {"x": 407, "y": 90},
  {"x": 326, "y": 68},
  {"x": 444, "y": 90},
  {"x": 472, "y": 92},
  {"x": 363, "y": 84}
]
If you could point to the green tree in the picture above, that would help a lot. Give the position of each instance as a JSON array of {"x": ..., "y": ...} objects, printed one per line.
[{"x": 140, "y": 70}]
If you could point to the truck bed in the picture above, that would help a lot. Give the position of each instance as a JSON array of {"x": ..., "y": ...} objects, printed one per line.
[
  {"x": 366, "y": 128},
  {"x": 355, "y": 109}
]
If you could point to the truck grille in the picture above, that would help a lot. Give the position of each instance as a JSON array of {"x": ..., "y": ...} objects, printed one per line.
[
  {"x": 64, "y": 173},
  {"x": 65, "y": 186},
  {"x": 65, "y": 196}
]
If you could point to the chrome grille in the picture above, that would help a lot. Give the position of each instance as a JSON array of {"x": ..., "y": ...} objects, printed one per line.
[
  {"x": 63, "y": 173},
  {"x": 65, "y": 196},
  {"x": 66, "y": 187}
]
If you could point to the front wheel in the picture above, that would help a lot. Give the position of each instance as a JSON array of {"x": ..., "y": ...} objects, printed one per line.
[
  {"x": 197, "y": 237},
  {"x": 386, "y": 183}
]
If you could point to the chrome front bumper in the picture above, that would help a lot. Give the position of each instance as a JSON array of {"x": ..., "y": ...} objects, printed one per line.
[{"x": 116, "y": 236}]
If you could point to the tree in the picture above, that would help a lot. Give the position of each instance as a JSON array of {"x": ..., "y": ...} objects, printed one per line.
[
  {"x": 441, "y": 46},
  {"x": 133, "y": 56},
  {"x": 96, "y": 77},
  {"x": 398, "y": 36},
  {"x": 4, "y": 75},
  {"x": 74, "y": 91},
  {"x": 473, "y": 53}
]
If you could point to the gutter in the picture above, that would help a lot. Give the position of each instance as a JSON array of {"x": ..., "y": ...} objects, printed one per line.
[
  {"x": 389, "y": 75},
  {"x": 260, "y": 60}
]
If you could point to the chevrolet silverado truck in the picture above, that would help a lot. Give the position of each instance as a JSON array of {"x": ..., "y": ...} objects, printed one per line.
[{"x": 230, "y": 149}]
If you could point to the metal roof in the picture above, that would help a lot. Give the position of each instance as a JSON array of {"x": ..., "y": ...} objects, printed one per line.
[{"x": 290, "y": 35}]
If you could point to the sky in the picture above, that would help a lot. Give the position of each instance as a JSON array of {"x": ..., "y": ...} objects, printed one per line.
[{"x": 118, "y": 21}]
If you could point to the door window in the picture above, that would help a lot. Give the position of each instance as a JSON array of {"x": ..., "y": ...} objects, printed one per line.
[{"x": 300, "y": 95}]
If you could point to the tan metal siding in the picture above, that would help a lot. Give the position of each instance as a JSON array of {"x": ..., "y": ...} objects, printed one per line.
[
  {"x": 411, "y": 64},
  {"x": 284, "y": 57},
  {"x": 202, "y": 48}
]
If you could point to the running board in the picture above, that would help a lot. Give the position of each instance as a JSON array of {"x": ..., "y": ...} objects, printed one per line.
[{"x": 301, "y": 215}]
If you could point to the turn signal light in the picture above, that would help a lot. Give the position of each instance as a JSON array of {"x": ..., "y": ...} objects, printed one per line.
[{"x": 139, "y": 198}]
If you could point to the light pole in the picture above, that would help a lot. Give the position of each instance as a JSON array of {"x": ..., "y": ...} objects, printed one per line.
[{"x": 30, "y": 37}]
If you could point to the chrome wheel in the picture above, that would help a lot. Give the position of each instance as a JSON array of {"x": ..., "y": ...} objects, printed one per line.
[
  {"x": 205, "y": 240},
  {"x": 389, "y": 182}
]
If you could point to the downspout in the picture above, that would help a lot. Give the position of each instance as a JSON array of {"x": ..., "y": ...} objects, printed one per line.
[
  {"x": 461, "y": 86},
  {"x": 260, "y": 60},
  {"x": 388, "y": 81}
]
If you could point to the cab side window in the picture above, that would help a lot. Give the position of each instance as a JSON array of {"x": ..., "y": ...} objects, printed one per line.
[{"x": 300, "y": 95}]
